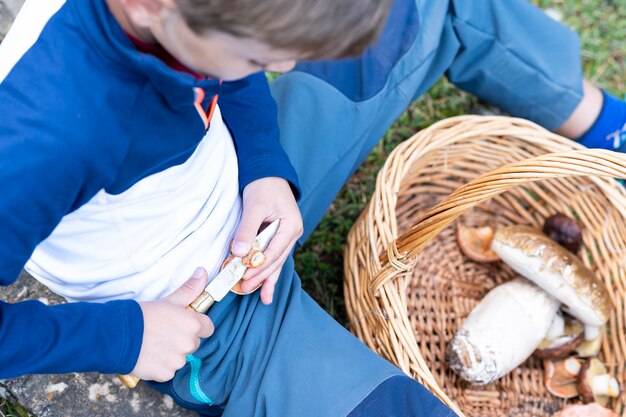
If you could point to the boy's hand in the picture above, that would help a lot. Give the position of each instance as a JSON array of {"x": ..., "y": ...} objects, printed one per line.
[
  {"x": 171, "y": 331},
  {"x": 264, "y": 201}
]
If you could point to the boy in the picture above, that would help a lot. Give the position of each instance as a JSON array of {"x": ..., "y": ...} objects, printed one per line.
[{"x": 171, "y": 204}]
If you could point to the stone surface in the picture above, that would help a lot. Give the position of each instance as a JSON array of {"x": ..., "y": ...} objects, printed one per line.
[
  {"x": 6, "y": 18},
  {"x": 78, "y": 395},
  {"x": 13, "y": 5}
]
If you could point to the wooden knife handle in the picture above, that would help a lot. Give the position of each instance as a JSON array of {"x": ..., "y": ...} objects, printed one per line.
[
  {"x": 201, "y": 305},
  {"x": 130, "y": 381}
]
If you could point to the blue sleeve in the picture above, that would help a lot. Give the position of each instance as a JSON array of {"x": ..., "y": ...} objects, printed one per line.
[
  {"x": 251, "y": 114},
  {"x": 45, "y": 173},
  {"x": 75, "y": 337},
  {"x": 41, "y": 181}
]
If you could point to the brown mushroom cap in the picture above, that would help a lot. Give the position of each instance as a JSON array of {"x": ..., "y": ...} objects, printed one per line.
[
  {"x": 560, "y": 347},
  {"x": 475, "y": 243},
  {"x": 560, "y": 377},
  {"x": 553, "y": 268},
  {"x": 592, "y": 368}
]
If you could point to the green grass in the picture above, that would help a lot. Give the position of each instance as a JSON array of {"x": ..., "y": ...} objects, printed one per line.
[
  {"x": 10, "y": 409},
  {"x": 602, "y": 26}
]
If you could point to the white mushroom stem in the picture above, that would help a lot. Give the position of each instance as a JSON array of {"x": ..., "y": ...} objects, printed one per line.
[
  {"x": 572, "y": 366},
  {"x": 557, "y": 327},
  {"x": 591, "y": 332},
  {"x": 604, "y": 385}
]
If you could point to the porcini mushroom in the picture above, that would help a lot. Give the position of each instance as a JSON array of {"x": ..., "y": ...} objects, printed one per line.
[
  {"x": 558, "y": 346},
  {"x": 587, "y": 410},
  {"x": 254, "y": 259},
  {"x": 559, "y": 272},
  {"x": 501, "y": 332},
  {"x": 589, "y": 348},
  {"x": 475, "y": 243},
  {"x": 595, "y": 384},
  {"x": 561, "y": 377},
  {"x": 565, "y": 231}
]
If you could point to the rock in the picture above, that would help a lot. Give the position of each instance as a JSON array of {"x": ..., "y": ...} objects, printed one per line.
[
  {"x": 6, "y": 18},
  {"x": 78, "y": 395},
  {"x": 13, "y": 6}
]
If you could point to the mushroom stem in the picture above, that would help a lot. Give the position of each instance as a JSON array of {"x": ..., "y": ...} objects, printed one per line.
[
  {"x": 572, "y": 366},
  {"x": 254, "y": 259},
  {"x": 591, "y": 332},
  {"x": 605, "y": 385},
  {"x": 557, "y": 327}
]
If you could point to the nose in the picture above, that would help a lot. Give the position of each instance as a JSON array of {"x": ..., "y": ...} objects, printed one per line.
[{"x": 282, "y": 66}]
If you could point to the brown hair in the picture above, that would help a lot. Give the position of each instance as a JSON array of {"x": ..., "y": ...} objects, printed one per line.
[{"x": 315, "y": 28}]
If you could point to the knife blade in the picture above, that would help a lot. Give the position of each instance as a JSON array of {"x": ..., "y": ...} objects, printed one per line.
[{"x": 232, "y": 273}]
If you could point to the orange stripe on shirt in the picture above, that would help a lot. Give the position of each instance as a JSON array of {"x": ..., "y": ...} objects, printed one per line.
[
  {"x": 208, "y": 115},
  {"x": 199, "y": 93}
]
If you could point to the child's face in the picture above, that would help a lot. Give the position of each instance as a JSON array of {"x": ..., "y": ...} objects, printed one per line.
[{"x": 217, "y": 54}]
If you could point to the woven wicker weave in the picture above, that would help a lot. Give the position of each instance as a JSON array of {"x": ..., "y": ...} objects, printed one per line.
[{"x": 408, "y": 288}]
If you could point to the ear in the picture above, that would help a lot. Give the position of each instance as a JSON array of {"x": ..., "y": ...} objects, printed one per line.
[{"x": 144, "y": 13}]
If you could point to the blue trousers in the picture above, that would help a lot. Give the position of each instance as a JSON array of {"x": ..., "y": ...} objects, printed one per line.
[{"x": 291, "y": 358}]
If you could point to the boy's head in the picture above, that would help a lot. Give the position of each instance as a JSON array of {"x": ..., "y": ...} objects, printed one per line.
[{"x": 230, "y": 39}]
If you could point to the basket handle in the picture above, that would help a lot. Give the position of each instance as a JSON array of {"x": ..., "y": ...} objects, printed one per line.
[{"x": 587, "y": 162}]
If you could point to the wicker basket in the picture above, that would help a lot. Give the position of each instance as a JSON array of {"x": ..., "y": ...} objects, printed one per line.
[{"x": 408, "y": 288}]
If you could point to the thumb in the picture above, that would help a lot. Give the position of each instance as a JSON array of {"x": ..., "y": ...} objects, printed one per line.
[
  {"x": 188, "y": 292},
  {"x": 251, "y": 220}
]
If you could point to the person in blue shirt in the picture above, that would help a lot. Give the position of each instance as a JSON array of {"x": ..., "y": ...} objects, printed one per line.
[{"x": 138, "y": 138}]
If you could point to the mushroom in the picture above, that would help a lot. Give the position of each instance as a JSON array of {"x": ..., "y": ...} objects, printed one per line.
[
  {"x": 559, "y": 272},
  {"x": 254, "y": 259},
  {"x": 589, "y": 348},
  {"x": 564, "y": 231},
  {"x": 475, "y": 243},
  {"x": 595, "y": 384},
  {"x": 587, "y": 410},
  {"x": 501, "y": 332},
  {"x": 561, "y": 377},
  {"x": 560, "y": 345},
  {"x": 557, "y": 327}
]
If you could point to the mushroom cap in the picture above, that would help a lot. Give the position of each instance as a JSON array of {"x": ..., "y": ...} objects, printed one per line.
[
  {"x": 560, "y": 377},
  {"x": 475, "y": 243},
  {"x": 562, "y": 345},
  {"x": 591, "y": 368},
  {"x": 553, "y": 268}
]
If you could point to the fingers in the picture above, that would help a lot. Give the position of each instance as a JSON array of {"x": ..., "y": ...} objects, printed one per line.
[
  {"x": 206, "y": 326},
  {"x": 170, "y": 333},
  {"x": 188, "y": 292},
  {"x": 264, "y": 200},
  {"x": 249, "y": 284},
  {"x": 246, "y": 232},
  {"x": 267, "y": 291},
  {"x": 278, "y": 250}
]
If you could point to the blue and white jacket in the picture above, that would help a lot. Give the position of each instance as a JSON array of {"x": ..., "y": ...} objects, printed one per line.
[{"x": 83, "y": 111}]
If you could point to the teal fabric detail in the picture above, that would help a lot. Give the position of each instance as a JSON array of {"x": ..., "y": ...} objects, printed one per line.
[{"x": 194, "y": 381}]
